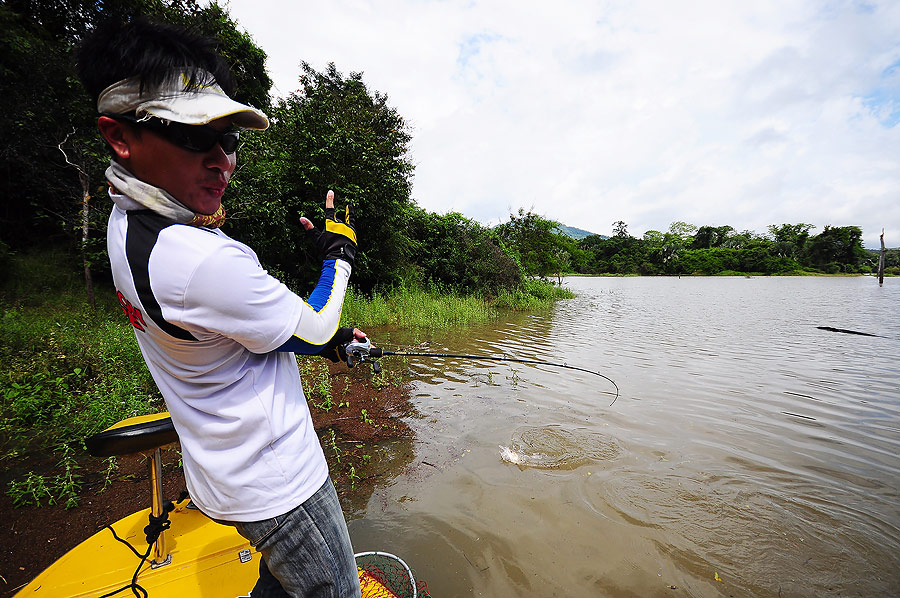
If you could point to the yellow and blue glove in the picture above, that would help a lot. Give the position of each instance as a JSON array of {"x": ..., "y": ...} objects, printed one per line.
[{"x": 338, "y": 240}]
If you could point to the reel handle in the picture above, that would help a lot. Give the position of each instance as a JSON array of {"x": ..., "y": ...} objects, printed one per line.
[{"x": 362, "y": 352}]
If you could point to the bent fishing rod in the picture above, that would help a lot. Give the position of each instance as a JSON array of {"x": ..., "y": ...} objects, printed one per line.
[{"x": 364, "y": 352}]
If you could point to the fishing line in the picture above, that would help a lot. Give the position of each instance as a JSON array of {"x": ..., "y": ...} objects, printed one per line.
[{"x": 359, "y": 352}]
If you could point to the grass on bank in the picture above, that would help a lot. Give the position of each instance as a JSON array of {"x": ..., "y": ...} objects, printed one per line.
[
  {"x": 433, "y": 308},
  {"x": 69, "y": 372}
]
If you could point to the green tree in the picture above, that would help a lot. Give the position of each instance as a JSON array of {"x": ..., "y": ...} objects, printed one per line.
[
  {"x": 41, "y": 103},
  {"x": 570, "y": 257},
  {"x": 707, "y": 261},
  {"x": 457, "y": 253},
  {"x": 591, "y": 242},
  {"x": 761, "y": 256},
  {"x": 790, "y": 239},
  {"x": 739, "y": 240},
  {"x": 683, "y": 232},
  {"x": 332, "y": 134},
  {"x": 536, "y": 241},
  {"x": 711, "y": 236},
  {"x": 661, "y": 252},
  {"x": 836, "y": 249},
  {"x": 618, "y": 255},
  {"x": 654, "y": 239},
  {"x": 891, "y": 261}
]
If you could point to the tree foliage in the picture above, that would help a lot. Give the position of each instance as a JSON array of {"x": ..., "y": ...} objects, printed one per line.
[
  {"x": 45, "y": 106},
  {"x": 708, "y": 250},
  {"x": 537, "y": 243},
  {"x": 331, "y": 134},
  {"x": 708, "y": 237},
  {"x": 42, "y": 102},
  {"x": 790, "y": 239},
  {"x": 836, "y": 249},
  {"x": 454, "y": 251}
]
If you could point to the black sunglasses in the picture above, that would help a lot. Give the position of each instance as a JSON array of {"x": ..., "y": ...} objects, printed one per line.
[{"x": 196, "y": 138}]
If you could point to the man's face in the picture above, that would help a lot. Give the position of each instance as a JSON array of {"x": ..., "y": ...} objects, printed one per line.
[{"x": 196, "y": 179}]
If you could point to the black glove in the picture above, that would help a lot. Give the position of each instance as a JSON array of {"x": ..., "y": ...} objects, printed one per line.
[
  {"x": 338, "y": 240},
  {"x": 334, "y": 349}
]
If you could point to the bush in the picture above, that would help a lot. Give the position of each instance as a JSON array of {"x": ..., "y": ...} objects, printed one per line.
[{"x": 457, "y": 254}]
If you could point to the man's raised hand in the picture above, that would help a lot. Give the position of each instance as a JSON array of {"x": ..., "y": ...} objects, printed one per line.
[{"x": 338, "y": 240}]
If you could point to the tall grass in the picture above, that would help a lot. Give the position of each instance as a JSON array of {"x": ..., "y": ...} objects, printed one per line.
[
  {"x": 406, "y": 307},
  {"x": 533, "y": 295}
]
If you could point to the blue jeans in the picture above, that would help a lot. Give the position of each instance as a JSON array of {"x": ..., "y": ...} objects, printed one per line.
[{"x": 306, "y": 552}]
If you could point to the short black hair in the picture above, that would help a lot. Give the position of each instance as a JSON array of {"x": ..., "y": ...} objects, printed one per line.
[{"x": 118, "y": 50}]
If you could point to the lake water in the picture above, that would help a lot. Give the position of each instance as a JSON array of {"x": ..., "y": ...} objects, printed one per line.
[{"x": 748, "y": 454}]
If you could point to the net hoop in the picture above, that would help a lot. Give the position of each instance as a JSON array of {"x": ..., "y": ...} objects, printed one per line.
[{"x": 412, "y": 580}]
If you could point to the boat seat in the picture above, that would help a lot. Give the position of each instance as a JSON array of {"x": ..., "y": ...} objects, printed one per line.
[{"x": 133, "y": 435}]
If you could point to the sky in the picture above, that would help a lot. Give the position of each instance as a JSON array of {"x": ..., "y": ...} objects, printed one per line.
[{"x": 649, "y": 112}]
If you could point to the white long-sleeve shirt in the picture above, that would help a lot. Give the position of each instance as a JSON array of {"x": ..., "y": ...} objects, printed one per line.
[{"x": 208, "y": 319}]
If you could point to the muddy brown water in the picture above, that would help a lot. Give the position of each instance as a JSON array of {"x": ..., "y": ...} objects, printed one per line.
[{"x": 749, "y": 452}]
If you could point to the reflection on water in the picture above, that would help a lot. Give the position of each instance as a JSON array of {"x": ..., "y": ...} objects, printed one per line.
[{"x": 749, "y": 454}]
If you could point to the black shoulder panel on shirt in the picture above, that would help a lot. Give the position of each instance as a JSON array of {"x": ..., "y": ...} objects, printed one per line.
[{"x": 144, "y": 227}]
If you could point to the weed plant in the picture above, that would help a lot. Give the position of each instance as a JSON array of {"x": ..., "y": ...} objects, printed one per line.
[{"x": 316, "y": 381}]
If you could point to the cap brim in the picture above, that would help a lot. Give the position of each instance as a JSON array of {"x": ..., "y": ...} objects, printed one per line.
[{"x": 203, "y": 108}]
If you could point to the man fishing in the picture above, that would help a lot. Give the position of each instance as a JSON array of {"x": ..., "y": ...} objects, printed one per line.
[{"x": 217, "y": 332}]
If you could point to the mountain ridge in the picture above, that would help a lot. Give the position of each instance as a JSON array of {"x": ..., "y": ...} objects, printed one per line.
[{"x": 576, "y": 233}]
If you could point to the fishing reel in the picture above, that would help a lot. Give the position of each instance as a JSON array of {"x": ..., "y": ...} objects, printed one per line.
[{"x": 363, "y": 352}]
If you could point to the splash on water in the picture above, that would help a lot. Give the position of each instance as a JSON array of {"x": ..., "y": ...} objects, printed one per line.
[
  {"x": 557, "y": 447},
  {"x": 509, "y": 455}
]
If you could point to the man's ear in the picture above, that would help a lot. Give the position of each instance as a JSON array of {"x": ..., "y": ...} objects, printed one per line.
[{"x": 116, "y": 136}]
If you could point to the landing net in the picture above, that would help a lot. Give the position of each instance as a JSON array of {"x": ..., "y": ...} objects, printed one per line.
[{"x": 384, "y": 575}]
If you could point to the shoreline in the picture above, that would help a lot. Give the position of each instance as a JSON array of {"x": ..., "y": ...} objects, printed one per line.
[{"x": 730, "y": 274}]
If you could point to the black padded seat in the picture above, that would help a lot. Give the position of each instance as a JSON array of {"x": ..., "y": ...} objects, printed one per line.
[{"x": 133, "y": 435}]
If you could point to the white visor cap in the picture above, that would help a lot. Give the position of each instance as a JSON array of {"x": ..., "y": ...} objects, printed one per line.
[{"x": 178, "y": 101}]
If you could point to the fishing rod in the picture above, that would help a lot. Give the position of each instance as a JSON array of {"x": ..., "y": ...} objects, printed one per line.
[{"x": 364, "y": 352}]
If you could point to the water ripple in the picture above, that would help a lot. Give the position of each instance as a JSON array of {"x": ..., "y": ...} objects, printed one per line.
[{"x": 557, "y": 447}]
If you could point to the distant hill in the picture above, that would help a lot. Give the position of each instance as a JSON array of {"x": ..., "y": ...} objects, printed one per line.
[{"x": 576, "y": 233}]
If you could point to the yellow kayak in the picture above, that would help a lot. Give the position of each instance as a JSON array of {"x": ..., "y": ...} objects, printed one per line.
[{"x": 193, "y": 557}]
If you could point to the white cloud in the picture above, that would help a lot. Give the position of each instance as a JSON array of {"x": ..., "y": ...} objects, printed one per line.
[{"x": 746, "y": 114}]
